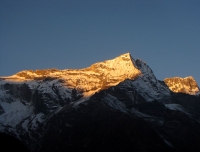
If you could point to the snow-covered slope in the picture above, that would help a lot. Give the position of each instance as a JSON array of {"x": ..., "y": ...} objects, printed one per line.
[
  {"x": 30, "y": 99},
  {"x": 38, "y": 94},
  {"x": 147, "y": 84},
  {"x": 100, "y": 75}
]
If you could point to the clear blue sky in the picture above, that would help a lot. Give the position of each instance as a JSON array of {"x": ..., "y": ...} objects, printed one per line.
[{"x": 63, "y": 34}]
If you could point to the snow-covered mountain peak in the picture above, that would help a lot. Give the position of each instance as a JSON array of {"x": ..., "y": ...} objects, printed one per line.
[
  {"x": 98, "y": 76},
  {"x": 122, "y": 67},
  {"x": 45, "y": 107},
  {"x": 185, "y": 85}
]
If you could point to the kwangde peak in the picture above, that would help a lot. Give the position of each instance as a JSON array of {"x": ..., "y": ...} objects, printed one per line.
[
  {"x": 98, "y": 76},
  {"x": 114, "y": 105},
  {"x": 104, "y": 74}
]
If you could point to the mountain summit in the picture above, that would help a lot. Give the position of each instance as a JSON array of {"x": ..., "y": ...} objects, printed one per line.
[
  {"x": 185, "y": 85},
  {"x": 114, "y": 105},
  {"x": 103, "y": 75},
  {"x": 98, "y": 76}
]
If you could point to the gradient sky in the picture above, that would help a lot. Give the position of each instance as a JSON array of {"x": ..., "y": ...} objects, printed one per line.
[{"x": 65, "y": 34}]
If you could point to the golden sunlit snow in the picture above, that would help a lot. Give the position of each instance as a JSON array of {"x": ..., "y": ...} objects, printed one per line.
[
  {"x": 100, "y": 76},
  {"x": 185, "y": 85},
  {"x": 96, "y": 77}
]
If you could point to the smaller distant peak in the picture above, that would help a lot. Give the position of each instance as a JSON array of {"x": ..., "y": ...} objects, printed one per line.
[
  {"x": 180, "y": 78},
  {"x": 189, "y": 77},
  {"x": 185, "y": 85}
]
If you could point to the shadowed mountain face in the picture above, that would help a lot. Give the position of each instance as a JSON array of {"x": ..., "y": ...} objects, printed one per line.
[
  {"x": 9, "y": 143},
  {"x": 115, "y": 105}
]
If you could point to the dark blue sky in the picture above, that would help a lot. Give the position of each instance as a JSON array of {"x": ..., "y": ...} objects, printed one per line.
[{"x": 67, "y": 34}]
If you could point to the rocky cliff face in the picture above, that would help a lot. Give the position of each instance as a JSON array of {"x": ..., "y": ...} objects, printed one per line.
[
  {"x": 99, "y": 107},
  {"x": 184, "y": 85}
]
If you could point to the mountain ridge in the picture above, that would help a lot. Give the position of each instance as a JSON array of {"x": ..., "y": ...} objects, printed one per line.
[
  {"x": 98, "y": 75},
  {"x": 184, "y": 85},
  {"x": 74, "y": 110},
  {"x": 111, "y": 72}
]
